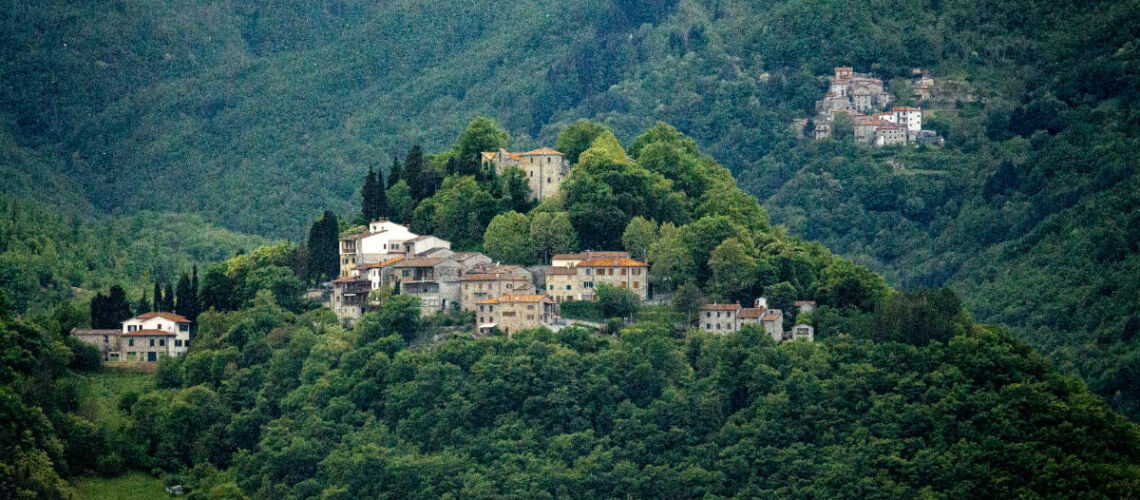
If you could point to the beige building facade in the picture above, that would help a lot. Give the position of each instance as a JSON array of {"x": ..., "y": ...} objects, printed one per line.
[
  {"x": 545, "y": 169},
  {"x": 514, "y": 313}
]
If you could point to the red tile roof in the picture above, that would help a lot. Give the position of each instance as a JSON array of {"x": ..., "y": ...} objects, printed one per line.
[
  {"x": 590, "y": 254},
  {"x": 805, "y": 302},
  {"x": 619, "y": 262},
  {"x": 515, "y": 298},
  {"x": 165, "y": 315},
  {"x": 771, "y": 315},
  {"x": 96, "y": 331},
  {"x": 752, "y": 312},
  {"x": 148, "y": 333},
  {"x": 720, "y": 307},
  {"x": 491, "y": 277}
]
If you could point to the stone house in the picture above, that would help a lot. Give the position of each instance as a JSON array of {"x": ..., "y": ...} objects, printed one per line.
[
  {"x": 803, "y": 331},
  {"x": 545, "y": 168},
  {"x": 572, "y": 259},
  {"x": 494, "y": 283},
  {"x": 383, "y": 239},
  {"x": 580, "y": 280},
  {"x": 728, "y": 318},
  {"x": 720, "y": 318},
  {"x": 164, "y": 322},
  {"x": 146, "y": 337},
  {"x": 435, "y": 280},
  {"x": 513, "y": 313}
]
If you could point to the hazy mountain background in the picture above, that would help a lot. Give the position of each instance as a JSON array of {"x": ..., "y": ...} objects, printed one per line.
[{"x": 257, "y": 117}]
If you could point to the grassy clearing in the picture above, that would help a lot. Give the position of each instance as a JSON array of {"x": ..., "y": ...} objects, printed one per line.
[
  {"x": 102, "y": 391},
  {"x": 132, "y": 486}
]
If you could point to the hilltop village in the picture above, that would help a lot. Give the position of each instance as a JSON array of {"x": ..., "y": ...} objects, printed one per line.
[
  {"x": 507, "y": 296},
  {"x": 860, "y": 101}
]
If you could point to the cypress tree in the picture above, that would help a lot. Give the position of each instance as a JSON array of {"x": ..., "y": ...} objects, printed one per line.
[
  {"x": 394, "y": 172},
  {"x": 368, "y": 197},
  {"x": 143, "y": 305},
  {"x": 118, "y": 307},
  {"x": 157, "y": 295},
  {"x": 182, "y": 295},
  {"x": 415, "y": 174},
  {"x": 98, "y": 311},
  {"x": 323, "y": 252},
  {"x": 381, "y": 195},
  {"x": 195, "y": 303},
  {"x": 168, "y": 298}
]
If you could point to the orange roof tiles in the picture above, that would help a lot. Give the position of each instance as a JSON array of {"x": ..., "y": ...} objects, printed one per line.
[
  {"x": 771, "y": 316},
  {"x": 805, "y": 302},
  {"x": 540, "y": 151},
  {"x": 720, "y": 307},
  {"x": 148, "y": 333},
  {"x": 165, "y": 315},
  {"x": 752, "y": 312},
  {"x": 619, "y": 262},
  {"x": 515, "y": 298},
  {"x": 589, "y": 254},
  {"x": 491, "y": 277},
  {"x": 905, "y": 108}
]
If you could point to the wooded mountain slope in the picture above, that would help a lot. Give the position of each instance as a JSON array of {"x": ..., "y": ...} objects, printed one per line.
[{"x": 1029, "y": 212}]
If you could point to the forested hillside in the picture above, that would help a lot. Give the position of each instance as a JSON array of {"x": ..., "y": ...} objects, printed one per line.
[
  {"x": 47, "y": 255},
  {"x": 1029, "y": 212},
  {"x": 900, "y": 394}
]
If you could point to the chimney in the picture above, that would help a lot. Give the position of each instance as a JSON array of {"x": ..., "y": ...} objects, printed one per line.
[{"x": 761, "y": 303}]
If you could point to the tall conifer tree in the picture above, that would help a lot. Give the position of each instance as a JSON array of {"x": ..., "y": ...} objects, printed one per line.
[{"x": 368, "y": 196}]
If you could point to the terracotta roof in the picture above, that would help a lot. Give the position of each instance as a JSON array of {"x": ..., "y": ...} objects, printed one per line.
[
  {"x": 804, "y": 302},
  {"x": 590, "y": 254},
  {"x": 165, "y": 315},
  {"x": 467, "y": 255},
  {"x": 515, "y": 298},
  {"x": 619, "y": 262},
  {"x": 905, "y": 108},
  {"x": 419, "y": 262},
  {"x": 491, "y": 277},
  {"x": 841, "y": 68},
  {"x": 561, "y": 271},
  {"x": 391, "y": 261},
  {"x": 752, "y": 312},
  {"x": 148, "y": 333},
  {"x": 348, "y": 279},
  {"x": 540, "y": 151},
  {"x": 720, "y": 307},
  {"x": 487, "y": 155},
  {"x": 94, "y": 331},
  {"x": 771, "y": 315},
  {"x": 424, "y": 237}
]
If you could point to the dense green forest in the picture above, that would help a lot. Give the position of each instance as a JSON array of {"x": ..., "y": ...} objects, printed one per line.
[
  {"x": 49, "y": 256},
  {"x": 900, "y": 395},
  {"x": 1029, "y": 212}
]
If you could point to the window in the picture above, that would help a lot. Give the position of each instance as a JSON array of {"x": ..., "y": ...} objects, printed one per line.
[
  {"x": 548, "y": 180},
  {"x": 162, "y": 342},
  {"x": 587, "y": 271},
  {"x": 186, "y": 344},
  {"x": 152, "y": 342},
  {"x": 131, "y": 342},
  {"x": 567, "y": 287},
  {"x": 637, "y": 272},
  {"x": 623, "y": 271},
  {"x": 131, "y": 328},
  {"x": 177, "y": 343},
  {"x": 530, "y": 316},
  {"x": 635, "y": 284},
  {"x": 184, "y": 327},
  {"x": 530, "y": 307},
  {"x": 623, "y": 284},
  {"x": 611, "y": 271},
  {"x": 601, "y": 272},
  {"x": 708, "y": 326}
]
